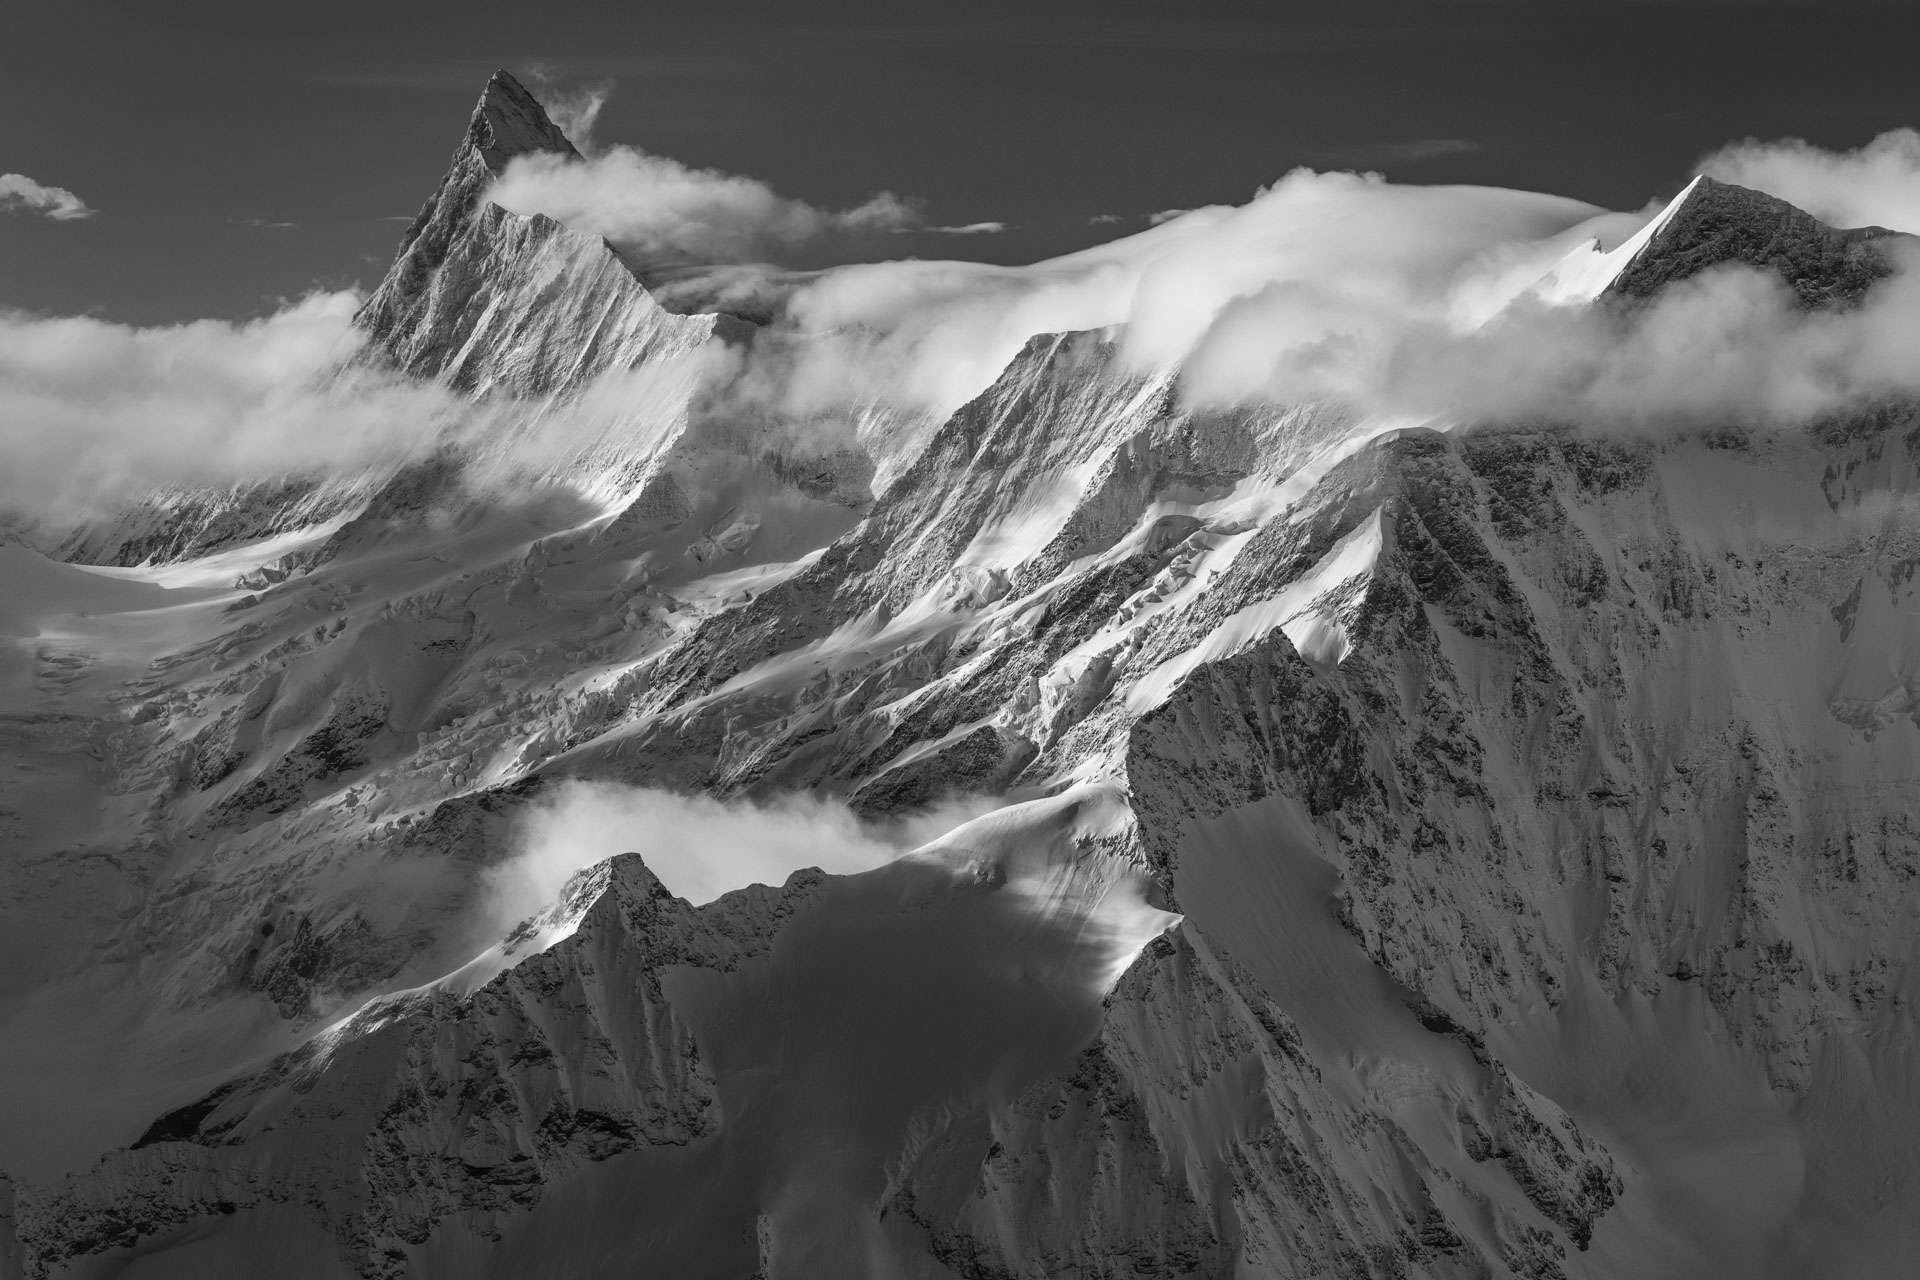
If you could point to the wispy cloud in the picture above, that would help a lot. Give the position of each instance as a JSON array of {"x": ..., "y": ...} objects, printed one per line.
[
  {"x": 1183, "y": 34},
  {"x": 575, "y": 108},
  {"x": 657, "y": 208},
  {"x": 466, "y": 75},
  {"x": 1165, "y": 215},
  {"x": 21, "y": 194},
  {"x": 688, "y": 226},
  {"x": 1406, "y": 151},
  {"x": 1106, "y": 219},
  {"x": 969, "y": 229}
]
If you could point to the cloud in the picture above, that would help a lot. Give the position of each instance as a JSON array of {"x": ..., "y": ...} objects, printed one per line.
[
  {"x": 1400, "y": 321},
  {"x": 1324, "y": 286},
  {"x": 657, "y": 209},
  {"x": 970, "y": 229},
  {"x": 94, "y": 415},
  {"x": 700, "y": 847},
  {"x": 1877, "y": 184},
  {"x": 574, "y": 108},
  {"x": 931, "y": 335},
  {"x": 21, "y": 194},
  {"x": 693, "y": 69},
  {"x": 1730, "y": 346},
  {"x": 93, "y": 412},
  {"x": 1105, "y": 219},
  {"x": 1406, "y": 300},
  {"x": 1409, "y": 151}
]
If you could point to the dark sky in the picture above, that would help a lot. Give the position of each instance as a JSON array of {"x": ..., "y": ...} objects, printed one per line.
[{"x": 197, "y": 127}]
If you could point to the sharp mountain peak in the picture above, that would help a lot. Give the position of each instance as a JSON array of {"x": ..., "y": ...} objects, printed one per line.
[{"x": 509, "y": 121}]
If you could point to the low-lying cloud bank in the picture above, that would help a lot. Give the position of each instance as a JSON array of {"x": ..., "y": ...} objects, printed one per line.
[
  {"x": 21, "y": 194},
  {"x": 95, "y": 415},
  {"x": 700, "y": 847},
  {"x": 1729, "y": 347},
  {"x": 93, "y": 412}
]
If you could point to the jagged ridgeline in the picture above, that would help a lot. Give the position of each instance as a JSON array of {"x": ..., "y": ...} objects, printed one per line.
[{"x": 1440, "y": 853}]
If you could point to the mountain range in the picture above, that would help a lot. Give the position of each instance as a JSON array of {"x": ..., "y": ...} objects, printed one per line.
[{"x": 1312, "y": 842}]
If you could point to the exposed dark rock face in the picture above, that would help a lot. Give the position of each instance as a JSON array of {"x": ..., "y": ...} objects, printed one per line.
[{"x": 1720, "y": 223}]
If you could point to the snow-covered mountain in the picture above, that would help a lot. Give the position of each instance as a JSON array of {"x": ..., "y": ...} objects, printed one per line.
[{"x": 1390, "y": 848}]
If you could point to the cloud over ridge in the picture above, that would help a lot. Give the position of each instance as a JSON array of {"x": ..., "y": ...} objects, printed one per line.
[
  {"x": 1329, "y": 286},
  {"x": 1877, "y": 184},
  {"x": 653, "y": 207}
]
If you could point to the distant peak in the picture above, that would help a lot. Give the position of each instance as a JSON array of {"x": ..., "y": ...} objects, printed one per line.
[{"x": 508, "y": 121}]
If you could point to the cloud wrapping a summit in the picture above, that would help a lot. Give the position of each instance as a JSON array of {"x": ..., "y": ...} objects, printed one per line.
[
  {"x": 21, "y": 194},
  {"x": 1407, "y": 301},
  {"x": 932, "y": 335}
]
